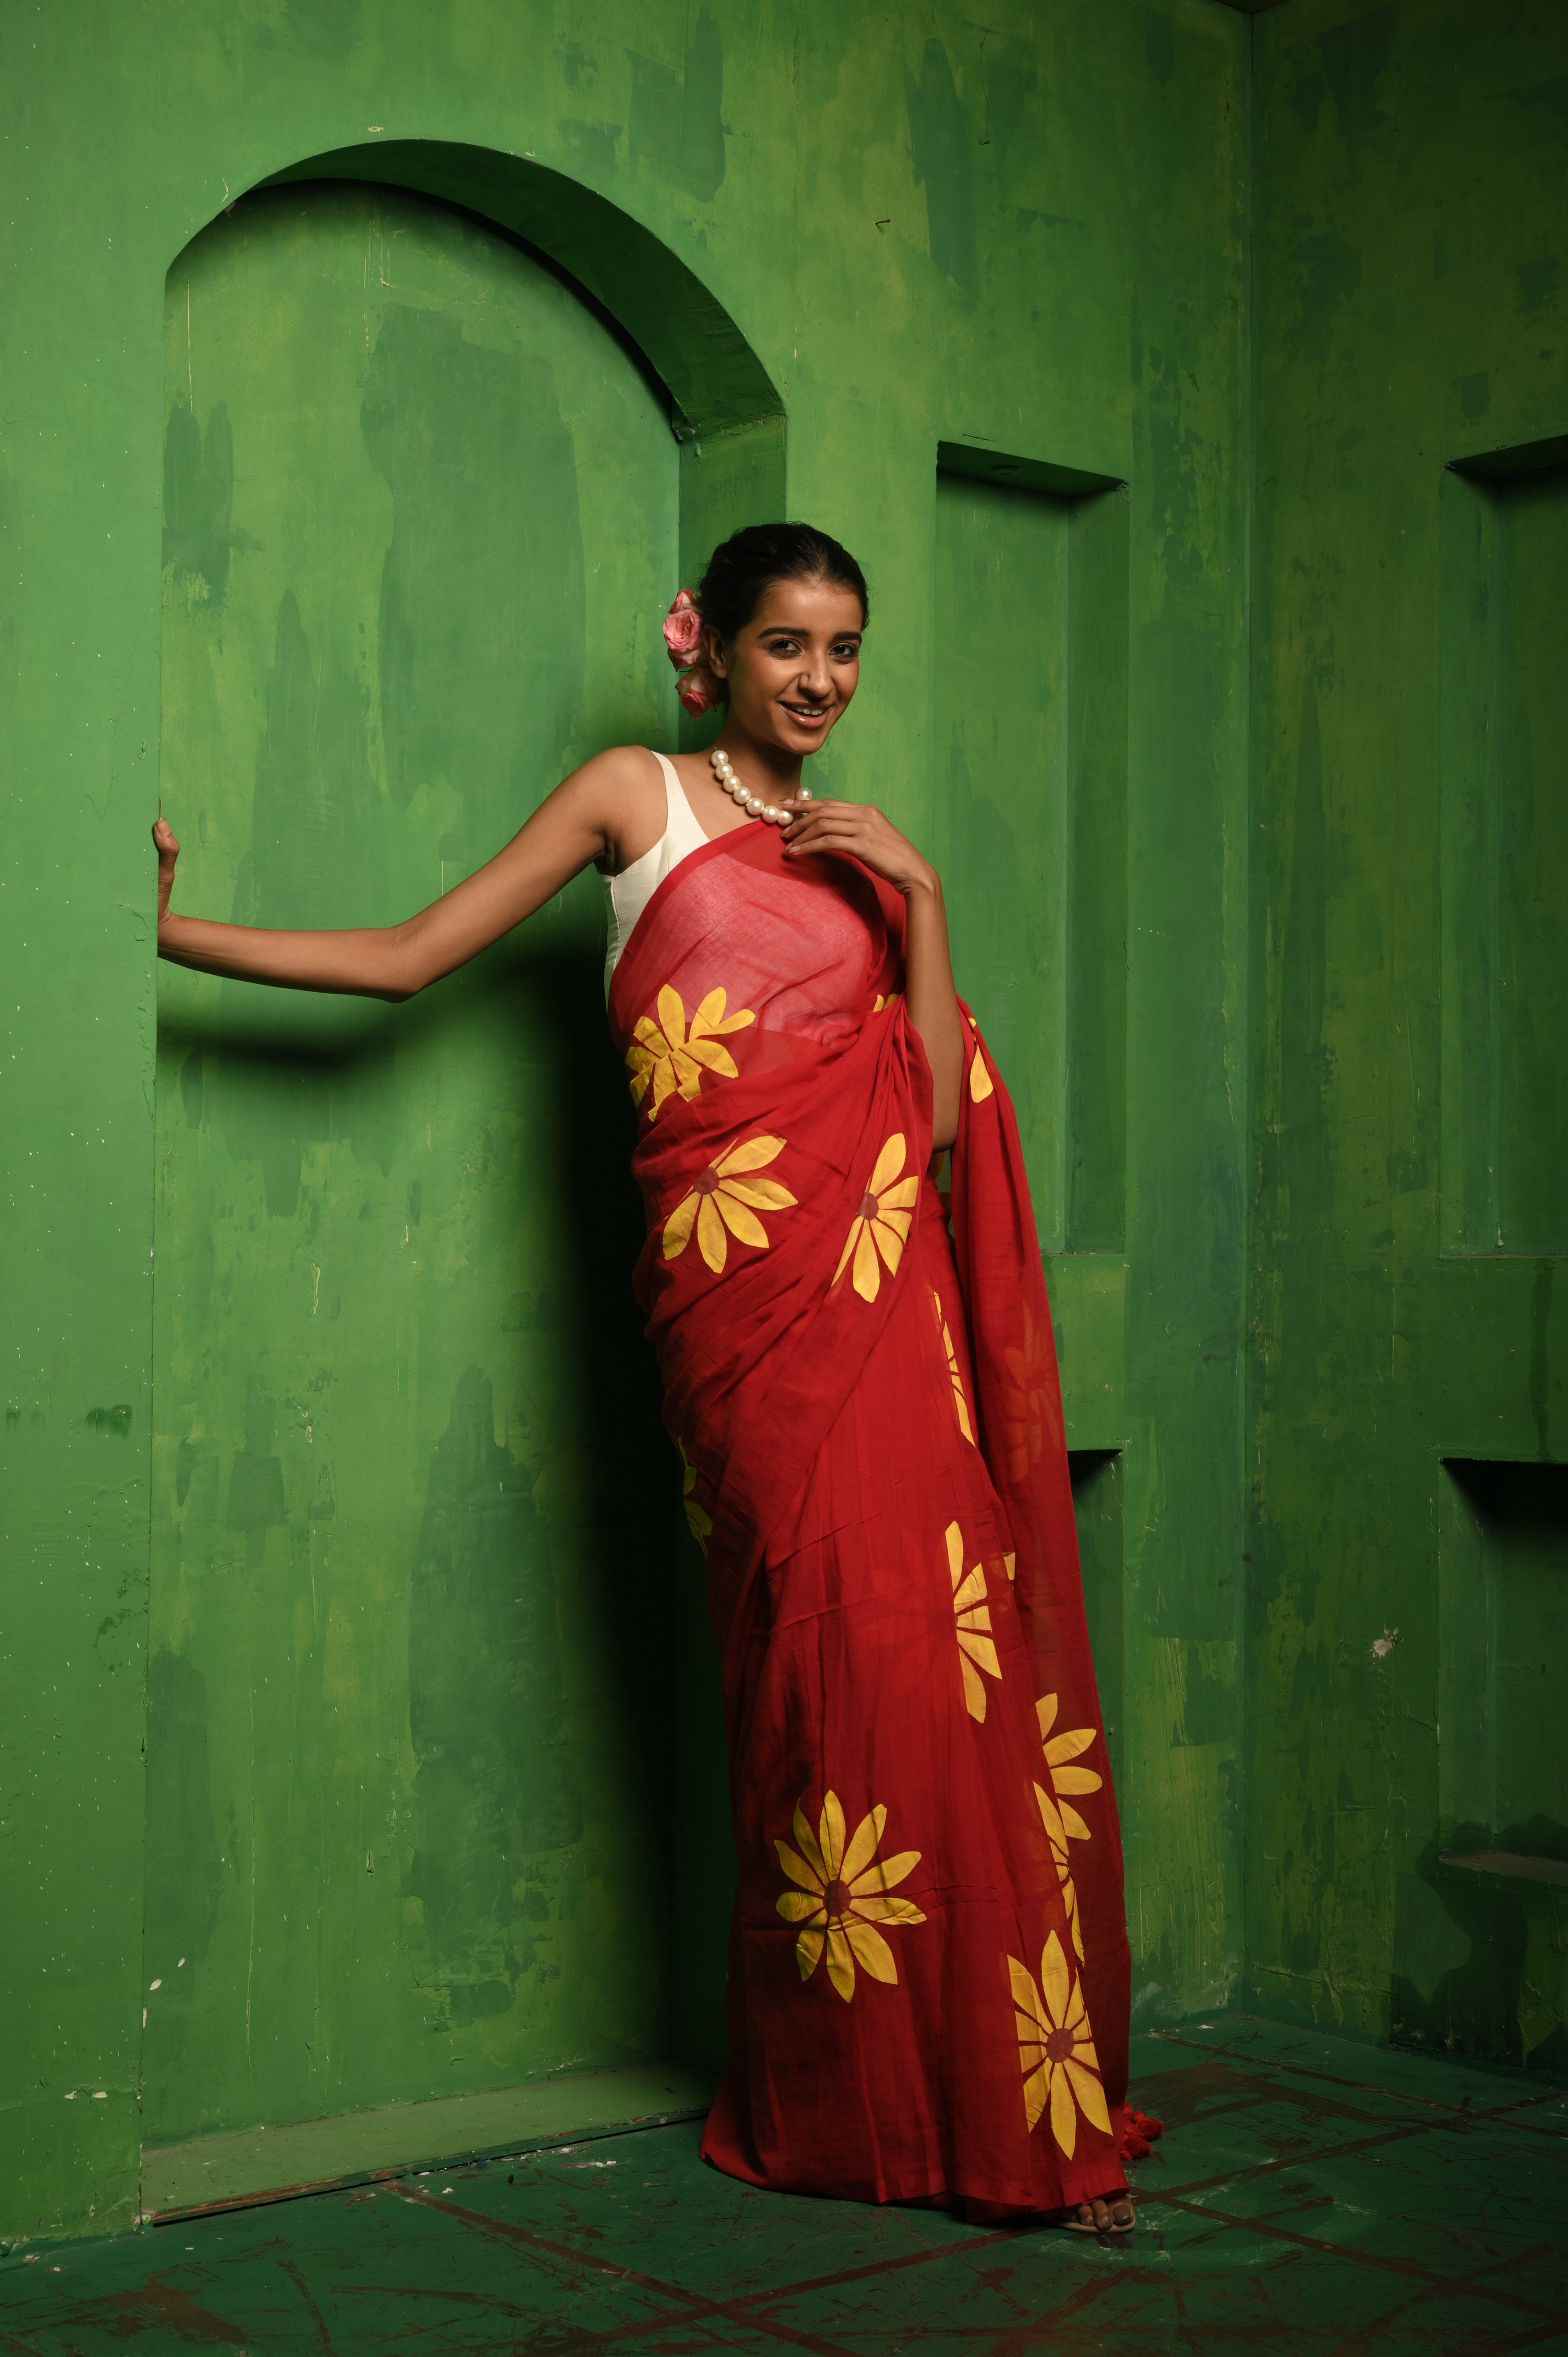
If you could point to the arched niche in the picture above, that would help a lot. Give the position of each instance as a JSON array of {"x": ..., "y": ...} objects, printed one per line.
[
  {"x": 726, "y": 411},
  {"x": 431, "y": 1806}
]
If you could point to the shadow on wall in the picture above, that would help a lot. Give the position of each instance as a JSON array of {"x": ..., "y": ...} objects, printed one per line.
[
  {"x": 1504, "y": 1995},
  {"x": 485, "y": 1677},
  {"x": 543, "y": 1581},
  {"x": 1481, "y": 1925}
]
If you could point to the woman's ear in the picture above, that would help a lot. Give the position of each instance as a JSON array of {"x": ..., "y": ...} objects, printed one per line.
[{"x": 714, "y": 652}]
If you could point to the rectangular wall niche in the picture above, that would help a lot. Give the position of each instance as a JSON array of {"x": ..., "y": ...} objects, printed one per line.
[
  {"x": 1504, "y": 851},
  {"x": 1097, "y": 1492},
  {"x": 1031, "y": 737},
  {"x": 1503, "y": 1606}
]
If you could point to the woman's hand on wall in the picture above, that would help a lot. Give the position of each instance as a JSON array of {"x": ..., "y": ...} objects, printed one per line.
[{"x": 168, "y": 852}]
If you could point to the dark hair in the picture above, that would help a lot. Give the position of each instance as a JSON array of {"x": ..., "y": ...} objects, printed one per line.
[{"x": 742, "y": 568}]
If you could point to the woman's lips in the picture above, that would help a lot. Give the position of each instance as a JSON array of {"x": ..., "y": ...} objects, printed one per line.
[{"x": 807, "y": 716}]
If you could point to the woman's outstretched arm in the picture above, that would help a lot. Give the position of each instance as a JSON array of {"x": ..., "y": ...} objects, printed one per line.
[
  {"x": 582, "y": 821},
  {"x": 929, "y": 993}
]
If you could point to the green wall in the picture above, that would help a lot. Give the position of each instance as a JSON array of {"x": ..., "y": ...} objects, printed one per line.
[
  {"x": 1410, "y": 994},
  {"x": 951, "y": 276}
]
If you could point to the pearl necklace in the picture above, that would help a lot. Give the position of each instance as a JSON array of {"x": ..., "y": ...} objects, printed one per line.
[{"x": 719, "y": 762}]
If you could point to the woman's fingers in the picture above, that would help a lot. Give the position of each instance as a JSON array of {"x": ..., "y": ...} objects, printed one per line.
[
  {"x": 167, "y": 843},
  {"x": 825, "y": 807},
  {"x": 823, "y": 814},
  {"x": 836, "y": 839}
]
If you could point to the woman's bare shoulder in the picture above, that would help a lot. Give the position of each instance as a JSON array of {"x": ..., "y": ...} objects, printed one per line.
[{"x": 623, "y": 788}]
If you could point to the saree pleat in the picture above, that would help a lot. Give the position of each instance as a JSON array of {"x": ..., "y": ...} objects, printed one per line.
[{"x": 928, "y": 1967}]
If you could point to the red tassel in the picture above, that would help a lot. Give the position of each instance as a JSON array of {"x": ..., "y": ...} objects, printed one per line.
[{"x": 1139, "y": 2130}]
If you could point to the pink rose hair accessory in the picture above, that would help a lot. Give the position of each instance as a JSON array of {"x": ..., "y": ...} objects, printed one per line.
[
  {"x": 696, "y": 687},
  {"x": 683, "y": 629},
  {"x": 698, "y": 690}
]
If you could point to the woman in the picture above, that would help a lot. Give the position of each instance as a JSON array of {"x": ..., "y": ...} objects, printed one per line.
[{"x": 929, "y": 1971}]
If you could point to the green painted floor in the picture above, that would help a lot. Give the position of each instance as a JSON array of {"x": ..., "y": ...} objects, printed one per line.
[{"x": 1309, "y": 2195}]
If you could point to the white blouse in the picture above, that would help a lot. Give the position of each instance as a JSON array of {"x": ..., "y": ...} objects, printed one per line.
[{"x": 628, "y": 894}]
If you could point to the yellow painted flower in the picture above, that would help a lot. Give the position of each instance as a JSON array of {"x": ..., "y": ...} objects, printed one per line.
[
  {"x": 1055, "y": 2048},
  {"x": 725, "y": 1196},
  {"x": 1027, "y": 1407},
  {"x": 976, "y": 1647},
  {"x": 842, "y": 1894},
  {"x": 981, "y": 1085},
  {"x": 885, "y": 999},
  {"x": 1056, "y": 1834},
  {"x": 700, "y": 1524},
  {"x": 1060, "y": 1819},
  {"x": 959, "y": 1403},
  {"x": 881, "y": 1222},
  {"x": 670, "y": 1059},
  {"x": 1060, "y": 1751}
]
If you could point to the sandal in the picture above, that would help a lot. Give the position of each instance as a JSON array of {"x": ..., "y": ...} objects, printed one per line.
[{"x": 1116, "y": 2231}]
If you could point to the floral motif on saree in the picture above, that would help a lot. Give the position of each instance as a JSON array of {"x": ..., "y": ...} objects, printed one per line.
[
  {"x": 728, "y": 1195},
  {"x": 1055, "y": 2048},
  {"x": 881, "y": 1222},
  {"x": 1028, "y": 1407},
  {"x": 699, "y": 1522},
  {"x": 1061, "y": 1750},
  {"x": 1060, "y": 1819},
  {"x": 976, "y": 1647},
  {"x": 663, "y": 1052},
  {"x": 842, "y": 1894},
  {"x": 1056, "y": 1834},
  {"x": 960, "y": 1404}
]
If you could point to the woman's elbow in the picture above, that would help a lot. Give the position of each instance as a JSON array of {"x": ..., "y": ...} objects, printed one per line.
[
  {"x": 404, "y": 967},
  {"x": 405, "y": 980}
]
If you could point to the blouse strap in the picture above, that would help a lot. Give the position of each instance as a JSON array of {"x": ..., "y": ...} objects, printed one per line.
[
  {"x": 671, "y": 789},
  {"x": 680, "y": 817}
]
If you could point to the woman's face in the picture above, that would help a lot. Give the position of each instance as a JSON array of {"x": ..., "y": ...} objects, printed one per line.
[{"x": 794, "y": 667}]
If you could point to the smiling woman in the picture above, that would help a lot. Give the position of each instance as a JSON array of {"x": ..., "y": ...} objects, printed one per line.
[{"x": 933, "y": 2005}]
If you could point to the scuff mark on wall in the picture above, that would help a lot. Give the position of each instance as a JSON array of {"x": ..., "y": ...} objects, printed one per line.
[{"x": 941, "y": 148}]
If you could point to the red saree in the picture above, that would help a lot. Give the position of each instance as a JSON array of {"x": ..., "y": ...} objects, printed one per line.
[{"x": 927, "y": 1967}]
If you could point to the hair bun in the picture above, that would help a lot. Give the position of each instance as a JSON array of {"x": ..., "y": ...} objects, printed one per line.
[{"x": 742, "y": 568}]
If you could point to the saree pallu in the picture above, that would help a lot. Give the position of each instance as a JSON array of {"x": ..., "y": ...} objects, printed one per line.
[{"x": 927, "y": 1991}]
